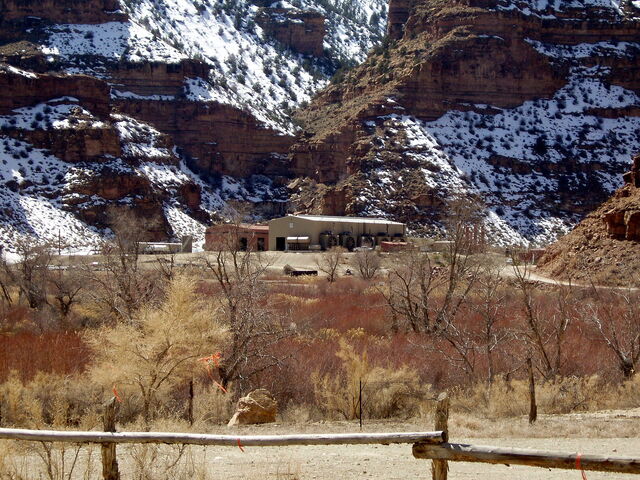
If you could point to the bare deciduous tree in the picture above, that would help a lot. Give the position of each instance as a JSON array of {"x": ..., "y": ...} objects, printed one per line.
[
  {"x": 367, "y": 263},
  {"x": 426, "y": 292},
  {"x": 120, "y": 284},
  {"x": 329, "y": 262},
  {"x": 246, "y": 311},
  {"x": 31, "y": 272},
  {"x": 615, "y": 314},
  {"x": 66, "y": 287},
  {"x": 5, "y": 280},
  {"x": 463, "y": 342},
  {"x": 410, "y": 286},
  {"x": 544, "y": 331},
  {"x": 45, "y": 286},
  {"x": 491, "y": 308}
]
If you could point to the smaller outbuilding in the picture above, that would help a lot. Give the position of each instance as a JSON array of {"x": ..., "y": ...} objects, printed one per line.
[{"x": 230, "y": 236}]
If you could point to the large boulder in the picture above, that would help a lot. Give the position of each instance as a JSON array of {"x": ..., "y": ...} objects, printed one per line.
[{"x": 259, "y": 406}]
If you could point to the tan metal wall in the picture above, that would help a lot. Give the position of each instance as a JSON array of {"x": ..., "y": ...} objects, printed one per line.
[{"x": 302, "y": 227}]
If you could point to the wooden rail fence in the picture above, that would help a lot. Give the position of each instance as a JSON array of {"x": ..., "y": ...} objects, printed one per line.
[
  {"x": 426, "y": 445},
  {"x": 221, "y": 440}
]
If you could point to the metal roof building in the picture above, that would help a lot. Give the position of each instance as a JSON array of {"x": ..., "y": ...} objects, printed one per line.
[{"x": 320, "y": 232}]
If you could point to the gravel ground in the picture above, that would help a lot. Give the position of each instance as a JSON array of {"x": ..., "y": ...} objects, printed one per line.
[{"x": 603, "y": 433}]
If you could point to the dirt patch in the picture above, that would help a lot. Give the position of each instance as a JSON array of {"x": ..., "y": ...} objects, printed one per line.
[
  {"x": 613, "y": 433},
  {"x": 397, "y": 462}
]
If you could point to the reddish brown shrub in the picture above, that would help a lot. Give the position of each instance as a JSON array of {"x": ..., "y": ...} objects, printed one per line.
[{"x": 52, "y": 352}]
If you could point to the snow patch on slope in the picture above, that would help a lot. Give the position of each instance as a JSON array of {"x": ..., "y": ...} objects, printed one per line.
[
  {"x": 540, "y": 7},
  {"x": 513, "y": 159},
  {"x": 586, "y": 50},
  {"x": 32, "y": 179},
  {"x": 51, "y": 116},
  {"x": 113, "y": 41},
  {"x": 514, "y": 152},
  {"x": 248, "y": 70},
  {"x": 140, "y": 139}
]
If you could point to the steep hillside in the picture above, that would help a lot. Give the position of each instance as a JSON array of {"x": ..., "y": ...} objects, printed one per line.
[
  {"x": 173, "y": 107},
  {"x": 531, "y": 104},
  {"x": 262, "y": 57},
  {"x": 604, "y": 247},
  {"x": 66, "y": 160}
]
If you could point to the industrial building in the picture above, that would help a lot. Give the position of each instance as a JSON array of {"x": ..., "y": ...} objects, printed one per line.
[
  {"x": 241, "y": 237},
  {"x": 320, "y": 232}
]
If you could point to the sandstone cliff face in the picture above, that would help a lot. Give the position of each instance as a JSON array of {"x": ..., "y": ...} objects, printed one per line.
[
  {"x": 76, "y": 144},
  {"x": 623, "y": 220},
  {"x": 222, "y": 139},
  {"x": 603, "y": 248},
  {"x": 399, "y": 13},
  {"x": 155, "y": 78},
  {"x": 84, "y": 137},
  {"x": 84, "y": 160},
  {"x": 20, "y": 16},
  {"x": 20, "y": 88},
  {"x": 302, "y": 31},
  {"x": 63, "y": 11},
  {"x": 473, "y": 70},
  {"x": 534, "y": 111}
]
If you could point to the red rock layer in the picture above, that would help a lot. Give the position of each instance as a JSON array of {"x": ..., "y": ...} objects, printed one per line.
[
  {"x": 25, "y": 90},
  {"x": 224, "y": 139},
  {"x": 63, "y": 11},
  {"x": 155, "y": 78},
  {"x": 75, "y": 145},
  {"x": 302, "y": 31},
  {"x": 603, "y": 248},
  {"x": 398, "y": 14}
]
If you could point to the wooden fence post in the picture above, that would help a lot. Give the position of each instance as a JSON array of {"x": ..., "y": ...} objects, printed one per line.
[
  {"x": 190, "y": 405},
  {"x": 533, "y": 407},
  {"x": 109, "y": 459},
  {"x": 439, "y": 468}
]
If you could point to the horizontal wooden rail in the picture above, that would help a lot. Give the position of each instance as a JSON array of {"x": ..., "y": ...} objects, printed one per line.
[
  {"x": 534, "y": 458},
  {"x": 221, "y": 440}
]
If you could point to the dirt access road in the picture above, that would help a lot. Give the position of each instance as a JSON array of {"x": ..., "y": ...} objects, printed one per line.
[
  {"x": 395, "y": 462},
  {"x": 613, "y": 433}
]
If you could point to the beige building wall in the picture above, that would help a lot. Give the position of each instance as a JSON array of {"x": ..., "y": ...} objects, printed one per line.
[{"x": 294, "y": 226}]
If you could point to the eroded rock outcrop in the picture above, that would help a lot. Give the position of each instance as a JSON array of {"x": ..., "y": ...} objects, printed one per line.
[
  {"x": 301, "y": 30},
  {"x": 20, "y": 16},
  {"x": 66, "y": 145},
  {"x": 63, "y": 11},
  {"x": 399, "y": 13},
  {"x": 21, "y": 88},
  {"x": 155, "y": 78},
  {"x": 603, "y": 248},
  {"x": 222, "y": 139},
  {"x": 623, "y": 219}
]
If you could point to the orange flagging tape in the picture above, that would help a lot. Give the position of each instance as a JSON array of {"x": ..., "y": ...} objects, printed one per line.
[
  {"x": 115, "y": 394},
  {"x": 578, "y": 467},
  {"x": 224, "y": 390},
  {"x": 213, "y": 359},
  {"x": 240, "y": 446}
]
